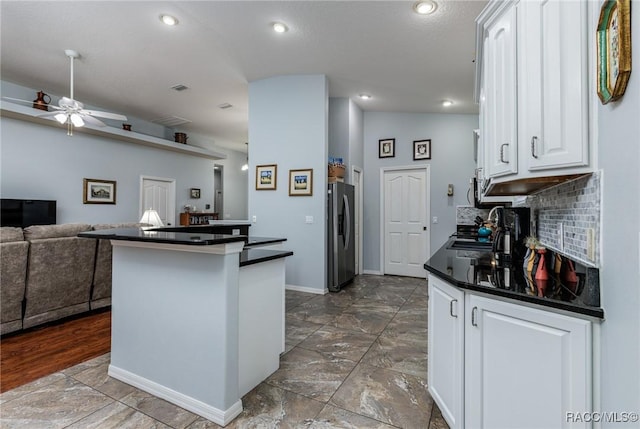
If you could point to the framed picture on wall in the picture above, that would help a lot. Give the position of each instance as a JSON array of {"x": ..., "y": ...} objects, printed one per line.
[
  {"x": 421, "y": 149},
  {"x": 614, "y": 49},
  {"x": 195, "y": 192},
  {"x": 301, "y": 182},
  {"x": 386, "y": 148},
  {"x": 96, "y": 191},
  {"x": 266, "y": 177}
]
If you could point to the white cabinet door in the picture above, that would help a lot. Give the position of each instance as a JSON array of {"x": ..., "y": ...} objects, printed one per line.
[
  {"x": 500, "y": 91},
  {"x": 554, "y": 88},
  {"x": 525, "y": 368},
  {"x": 446, "y": 350}
]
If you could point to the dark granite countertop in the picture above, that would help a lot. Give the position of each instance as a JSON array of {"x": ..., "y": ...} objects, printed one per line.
[
  {"x": 261, "y": 241},
  {"x": 254, "y": 256},
  {"x": 248, "y": 256},
  {"x": 151, "y": 236},
  {"x": 476, "y": 271}
]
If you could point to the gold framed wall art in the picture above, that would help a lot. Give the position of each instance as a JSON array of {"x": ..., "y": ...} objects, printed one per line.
[{"x": 614, "y": 49}]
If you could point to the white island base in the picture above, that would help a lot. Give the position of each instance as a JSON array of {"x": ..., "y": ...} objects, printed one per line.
[{"x": 192, "y": 327}]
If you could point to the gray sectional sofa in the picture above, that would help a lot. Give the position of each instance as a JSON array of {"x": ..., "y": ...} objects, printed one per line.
[{"x": 48, "y": 273}]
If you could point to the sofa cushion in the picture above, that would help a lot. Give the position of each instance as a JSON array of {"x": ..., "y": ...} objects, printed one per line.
[
  {"x": 10, "y": 234},
  {"x": 13, "y": 272},
  {"x": 38, "y": 232},
  {"x": 59, "y": 278}
]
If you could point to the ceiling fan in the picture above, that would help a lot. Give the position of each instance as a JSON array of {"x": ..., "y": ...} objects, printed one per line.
[{"x": 72, "y": 112}]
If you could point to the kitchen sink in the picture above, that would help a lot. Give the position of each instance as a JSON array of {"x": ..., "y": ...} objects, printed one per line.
[{"x": 462, "y": 244}]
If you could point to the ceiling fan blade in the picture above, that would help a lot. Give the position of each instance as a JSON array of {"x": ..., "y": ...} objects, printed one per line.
[
  {"x": 48, "y": 114},
  {"x": 93, "y": 121},
  {"x": 107, "y": 115}
]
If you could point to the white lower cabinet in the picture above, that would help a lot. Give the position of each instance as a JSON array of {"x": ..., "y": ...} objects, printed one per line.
[
  {"x": 518, "y": 366},
  {"x": 446, "y": 350}
]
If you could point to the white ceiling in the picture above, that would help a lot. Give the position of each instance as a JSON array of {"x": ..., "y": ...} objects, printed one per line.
[{"x": 129, "y": 59}]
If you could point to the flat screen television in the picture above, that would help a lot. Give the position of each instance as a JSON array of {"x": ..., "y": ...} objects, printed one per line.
[{"x": 24, "y": 213}]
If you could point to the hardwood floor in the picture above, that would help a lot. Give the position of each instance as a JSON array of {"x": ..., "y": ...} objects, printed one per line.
[{"x": 28, "y": 356}]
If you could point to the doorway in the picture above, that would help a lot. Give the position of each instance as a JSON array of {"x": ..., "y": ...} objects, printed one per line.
[
  {"x": 218, "y": 187},
  {"x": 405, "y": 202},
  {"x": 159, "y": 194},
  {"x": 357, "y": 182}
]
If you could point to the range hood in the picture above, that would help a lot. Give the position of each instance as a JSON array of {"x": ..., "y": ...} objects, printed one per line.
[{"x": 527, "y": 186}]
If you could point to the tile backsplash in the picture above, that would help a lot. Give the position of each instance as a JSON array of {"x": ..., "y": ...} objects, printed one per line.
[{"x": 571, "y": 211}]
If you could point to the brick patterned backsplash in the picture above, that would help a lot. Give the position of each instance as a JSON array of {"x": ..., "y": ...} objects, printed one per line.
[
  {"x": 576, "y": 206},
  {"x": 465, "y": 215}
]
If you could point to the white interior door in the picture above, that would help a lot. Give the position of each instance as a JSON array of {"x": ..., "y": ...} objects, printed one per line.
[
  {"x": 357, "y": 183},
  {"x": 160, "y": 195},
  {"x": 406, "y": 239}
]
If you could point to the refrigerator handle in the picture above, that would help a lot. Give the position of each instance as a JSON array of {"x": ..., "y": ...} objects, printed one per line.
[{"x": 347, "y": 232}]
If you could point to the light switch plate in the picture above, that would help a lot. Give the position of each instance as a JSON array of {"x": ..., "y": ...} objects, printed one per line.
[{"x": 308, "y": 219}]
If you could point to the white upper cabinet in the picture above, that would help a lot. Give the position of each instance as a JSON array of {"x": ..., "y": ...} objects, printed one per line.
[
  {"x": 554, "y": 90},
  {"x": 500, "y": 91},
  {"x": 532, "y": 84}
]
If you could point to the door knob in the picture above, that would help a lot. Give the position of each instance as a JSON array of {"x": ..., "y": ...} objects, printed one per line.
[{"x": 424, "y": 228}]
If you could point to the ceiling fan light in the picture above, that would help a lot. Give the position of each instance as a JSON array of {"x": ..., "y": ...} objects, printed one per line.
[
  {"x": 61, "y": 117},
  {"x": 76, "y": 120}
]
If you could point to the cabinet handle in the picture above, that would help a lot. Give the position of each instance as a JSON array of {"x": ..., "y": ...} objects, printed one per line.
[
  {"x": 502, "y": 153},
  {"x": 451, "y": 308},
  {"x": 534, "y": 139},
  {"x": 473, "y": 316}
]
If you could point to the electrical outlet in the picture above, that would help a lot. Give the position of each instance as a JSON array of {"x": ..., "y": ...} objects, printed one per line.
[
  {"x": 561, "y": 237},
  {"x": 435, "y": 219},
  {"x": 308, "y": 219},
  {"x": 591, "y": 245},
  {"x": 254, "y": 219}
]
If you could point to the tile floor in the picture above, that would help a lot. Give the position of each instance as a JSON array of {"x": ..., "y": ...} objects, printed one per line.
[{"x": 354, "y": 359}]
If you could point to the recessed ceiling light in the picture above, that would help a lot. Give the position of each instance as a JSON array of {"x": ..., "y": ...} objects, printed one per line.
[
  {"x": 425, "y": 7},
  {"x": 365, "y": 96},
  {"x": 447, "y": 103},
  {"x": 279, "y": 27},
  {"x": 168, "y": 19}
]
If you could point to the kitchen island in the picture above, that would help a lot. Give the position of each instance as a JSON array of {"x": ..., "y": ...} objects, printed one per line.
[{"x": 192, "y": 322}]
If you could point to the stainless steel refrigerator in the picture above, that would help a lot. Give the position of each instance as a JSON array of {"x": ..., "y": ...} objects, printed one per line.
[{"x": 341, "y": 245}]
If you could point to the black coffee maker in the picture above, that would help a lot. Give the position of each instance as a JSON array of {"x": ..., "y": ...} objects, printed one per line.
[{"x": 513, "y": 226}]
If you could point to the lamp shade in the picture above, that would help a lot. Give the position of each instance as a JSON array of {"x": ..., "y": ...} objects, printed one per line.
[{"x": 151, "y": 217}]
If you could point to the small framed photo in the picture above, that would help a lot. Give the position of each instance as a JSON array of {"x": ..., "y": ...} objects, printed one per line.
[
  {"x": 386, "y": 148},
  {"x": 301, "y": 182},
  {"x": 266, "y": 177},
  {"x": 421, "y": 149},
  {"x": 96, "y": 191},
  {"x": 195, "y": 192}
]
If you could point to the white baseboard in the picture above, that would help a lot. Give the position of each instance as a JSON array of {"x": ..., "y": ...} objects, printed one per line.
[
  {"x": 220, "y": 417},
  {"x": 307, "y": 289},
  {"x": 372, "y": 272}
]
